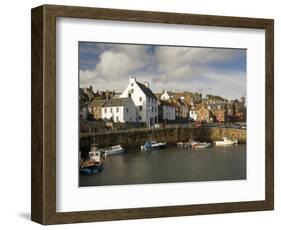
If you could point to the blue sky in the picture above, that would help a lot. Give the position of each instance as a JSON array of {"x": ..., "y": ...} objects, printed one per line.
[{"x": 197, "y": 69}]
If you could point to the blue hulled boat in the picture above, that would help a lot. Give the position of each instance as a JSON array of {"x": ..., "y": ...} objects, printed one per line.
[{"x": 151, "y": 145}]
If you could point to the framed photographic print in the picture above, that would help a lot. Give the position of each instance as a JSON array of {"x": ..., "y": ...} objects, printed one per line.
[{"x": 140, "y": 114}]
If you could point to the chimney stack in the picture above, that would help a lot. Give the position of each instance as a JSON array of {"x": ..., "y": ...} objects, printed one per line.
[
  {"x": 146, "y": 84},
  {"x": 106, "y": 95},
  {"x": 132, "y": 79}
]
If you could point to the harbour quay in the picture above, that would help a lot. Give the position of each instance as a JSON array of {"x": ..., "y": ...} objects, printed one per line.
[{"x": 133, "y": 138}]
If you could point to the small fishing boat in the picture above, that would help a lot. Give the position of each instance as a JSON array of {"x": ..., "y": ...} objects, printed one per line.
[
  {"x": 183, "y": 144},
  {"x": 94, "y": 163},
  {"x": 91, "y": 167},
  {"x": 150, "y": 145},
  {"x": 117, "y": 149},
  {"x": 227, "y": 141},
  {"x": 197, "y": 144},
  {"x": 202, "y": 145}
]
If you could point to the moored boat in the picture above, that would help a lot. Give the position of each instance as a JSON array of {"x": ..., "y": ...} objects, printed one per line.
[
  {"x": 202, "y": 145},
  {"x": 89, "y": 168},
  {"x": 117, "y": 149},
  {"x": 227, "y": 141},
  {"x": 197, "y": 144},
  {"x": 150, "y": 145},
  {"x": 94, "y": 163},
  {"x": 183, "y": 144}
]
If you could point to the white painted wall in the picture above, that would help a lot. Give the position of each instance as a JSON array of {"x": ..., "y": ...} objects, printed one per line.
[
  {"x": 15, "y": 209},
  {"x": 149, "y": 106},
  {"x": 193, "y": 114},
  {"x": 113, "y": 112},
  {"x": 126, "y": 113}
]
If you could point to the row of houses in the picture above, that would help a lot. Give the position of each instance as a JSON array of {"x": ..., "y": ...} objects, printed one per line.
[
  {"x": 219, "y": 111},
  {"x": 137, "y": 103}
]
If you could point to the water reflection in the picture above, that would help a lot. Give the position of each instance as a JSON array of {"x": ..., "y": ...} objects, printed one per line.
[{"x": 171, "y": 164}]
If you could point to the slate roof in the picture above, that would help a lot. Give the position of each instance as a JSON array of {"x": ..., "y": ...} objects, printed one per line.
[
  {"x": 116, "y": 102},
  {"x": 166, "y": 103},
  {"x": 146, "y": 91}
]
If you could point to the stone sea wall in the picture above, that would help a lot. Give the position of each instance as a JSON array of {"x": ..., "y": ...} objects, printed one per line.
[{"x": 135, "y": 138}]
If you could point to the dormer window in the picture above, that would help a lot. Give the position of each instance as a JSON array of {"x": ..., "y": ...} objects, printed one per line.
[
  {"x": 132, "y": 84},
  {"x": 132, "y": 90}
]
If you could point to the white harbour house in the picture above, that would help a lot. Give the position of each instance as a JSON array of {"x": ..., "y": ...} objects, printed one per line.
[
  {"x": 119, "y": 110},
  {"x": 144, "y": 100}
]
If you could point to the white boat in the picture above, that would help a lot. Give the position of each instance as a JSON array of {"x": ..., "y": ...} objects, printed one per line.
[
  {"x": 183, "y": 144},
  {"x": 150, "y": 145},
  {"x": 95, "y": 154},
  {"x": 197, "y": 144},
  {"x": 117, "y": 149},
  {"x": 227, "y": 141},
  {"x": 202, "y": 145}
]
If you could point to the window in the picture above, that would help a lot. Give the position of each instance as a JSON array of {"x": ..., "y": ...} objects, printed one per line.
[
  {"x": 132, "y": 90},
  {"x": 117, "y": 109},
  {"x": 140, "y": 118},
  {"x": 132, "y": 84},
  {"x": 151, "y": 108},
  {"x": 105, "y": 110},
  {"x": 117, "y": 118},
  {"x": 140, "y": 99},
  {"x": 127, "y": 110},
  {"x": 111, "y": 110},
  {"x": 149, "y": 99},
  {"x": 140, "y": 108}
]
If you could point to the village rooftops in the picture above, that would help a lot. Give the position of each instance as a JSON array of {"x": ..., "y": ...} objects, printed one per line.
[
  {"x": 97, "y": 103},
  {"x": 166, "y": 103},
  {"x": 116, "y": 102}
]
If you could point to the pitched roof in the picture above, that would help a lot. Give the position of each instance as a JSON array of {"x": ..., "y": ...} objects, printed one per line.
[
  {"x": 182, "y": 103},
  {"x": 147, "y": 91},
  {"x": 116, "y": 102},
  {"x": 96, "y": 103},
  {"x": 166, "y": 103}
]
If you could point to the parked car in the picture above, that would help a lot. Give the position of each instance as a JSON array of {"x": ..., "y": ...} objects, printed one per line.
[
  {"x": 244, "y": 127},
  {"x": 157, "y": 126},
  {"x": 224, "y": 126},
  {"x": 236, "y": 126}
]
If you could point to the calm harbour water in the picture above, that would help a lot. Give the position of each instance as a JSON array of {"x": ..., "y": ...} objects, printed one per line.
[{"x": 171, "y": 164}]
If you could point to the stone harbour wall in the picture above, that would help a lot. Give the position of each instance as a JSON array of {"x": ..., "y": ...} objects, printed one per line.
[{"x": 136, "y": 138}]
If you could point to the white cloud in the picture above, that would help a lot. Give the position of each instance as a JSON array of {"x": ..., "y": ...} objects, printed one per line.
[{"x": 168, "y": 68}]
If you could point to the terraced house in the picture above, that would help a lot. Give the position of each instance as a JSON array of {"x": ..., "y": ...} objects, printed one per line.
[{"x": 119, "y": 110}]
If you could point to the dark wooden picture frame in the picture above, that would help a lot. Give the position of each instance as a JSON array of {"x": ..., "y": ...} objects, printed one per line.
[{"x": 43, "y": 197}]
